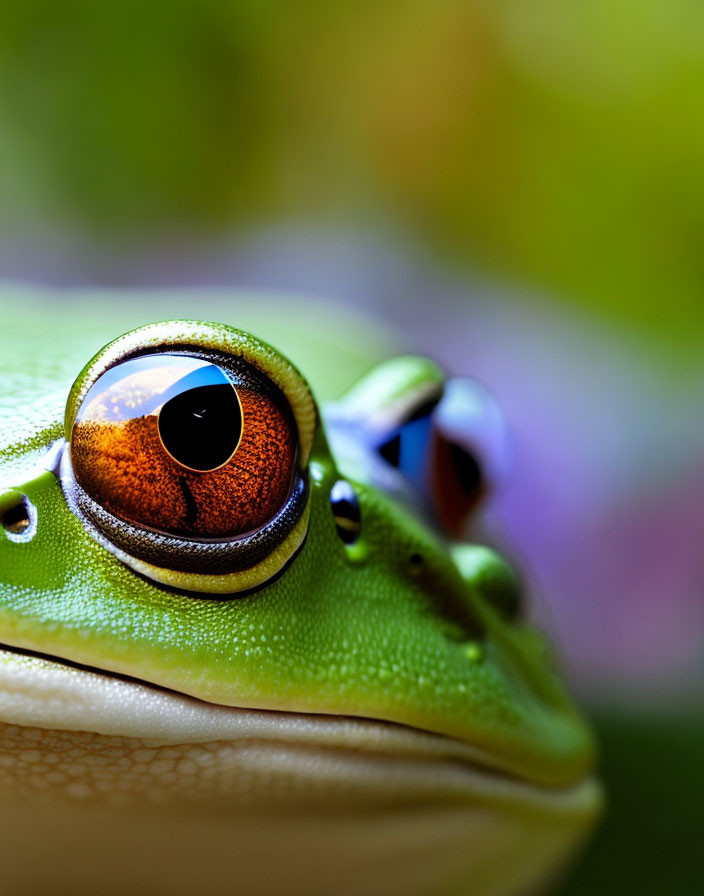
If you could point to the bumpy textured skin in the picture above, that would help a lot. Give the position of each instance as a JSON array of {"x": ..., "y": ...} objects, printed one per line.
[{"x": 353, "y": 630}]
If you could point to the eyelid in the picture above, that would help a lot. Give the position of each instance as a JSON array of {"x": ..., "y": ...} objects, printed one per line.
[
  {"x": 233, "y": 573},
  {"x": 390, "y": 394},
  {"x": 182, "y": 335}
]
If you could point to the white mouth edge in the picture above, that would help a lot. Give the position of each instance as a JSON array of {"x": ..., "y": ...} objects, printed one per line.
[{"x": 38, "y": 692}]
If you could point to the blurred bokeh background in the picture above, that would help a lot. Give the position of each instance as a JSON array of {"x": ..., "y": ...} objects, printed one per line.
[{"x": 513, "y": 187}]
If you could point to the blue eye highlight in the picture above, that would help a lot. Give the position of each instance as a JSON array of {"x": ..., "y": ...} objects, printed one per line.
[
  {"x": 454, "y": 451},
  {"x": 409, "y": 447}
]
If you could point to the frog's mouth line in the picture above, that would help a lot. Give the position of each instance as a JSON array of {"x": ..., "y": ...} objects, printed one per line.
[{"x": 42, "y": 692}]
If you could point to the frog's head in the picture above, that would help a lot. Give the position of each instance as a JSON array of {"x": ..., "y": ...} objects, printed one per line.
[{"x": 192, "y": 533}]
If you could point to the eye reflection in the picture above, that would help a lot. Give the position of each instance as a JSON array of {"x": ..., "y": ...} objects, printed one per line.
[{"x": 178, "y": 444}]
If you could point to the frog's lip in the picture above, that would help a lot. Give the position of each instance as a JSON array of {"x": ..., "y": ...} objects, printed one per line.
[{"x": 38, "y": 691}]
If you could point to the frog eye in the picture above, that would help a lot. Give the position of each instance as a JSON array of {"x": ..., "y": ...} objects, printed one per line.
[
  {"x": 189, "y": 462},
  {"x": 453, "y": 447},
  {"x": 184, "y": 446}
]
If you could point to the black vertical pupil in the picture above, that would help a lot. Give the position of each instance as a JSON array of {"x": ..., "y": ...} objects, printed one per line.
[
  {"x": 466, "y": 469},
  {"x": 201, "y": 427}
]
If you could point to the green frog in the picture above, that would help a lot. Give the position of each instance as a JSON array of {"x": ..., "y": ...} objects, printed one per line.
[{"x": 247, "y": 644}]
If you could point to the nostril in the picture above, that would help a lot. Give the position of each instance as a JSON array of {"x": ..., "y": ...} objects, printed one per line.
[
  {"x": 416, "y": 563},
  {"x": 16, "y": 520},
  {"x": 18, "y": 516}
]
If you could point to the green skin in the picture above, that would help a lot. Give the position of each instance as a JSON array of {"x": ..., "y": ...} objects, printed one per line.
[{"x": 346, "y": 630}]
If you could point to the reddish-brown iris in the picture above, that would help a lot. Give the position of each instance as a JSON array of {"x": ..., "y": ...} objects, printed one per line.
[
  {"x": 176, "y": 444},
  {"x": 457, "y": 485}
]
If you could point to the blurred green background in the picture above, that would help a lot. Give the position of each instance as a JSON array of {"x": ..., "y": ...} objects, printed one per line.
[
  {"x": 556, "y": 143},
  {"x": 556, "y": 148}
]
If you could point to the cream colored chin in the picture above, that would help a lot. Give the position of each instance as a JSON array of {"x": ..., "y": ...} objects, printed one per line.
[{"x": 109, "y": 785}]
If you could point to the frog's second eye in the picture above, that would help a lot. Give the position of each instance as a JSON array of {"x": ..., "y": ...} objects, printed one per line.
[
  {"x": 454, "y": 449},
  {"x": 180, "y": 445}
]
